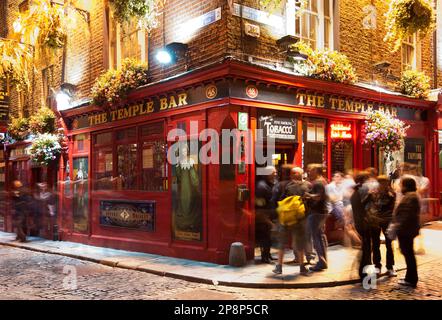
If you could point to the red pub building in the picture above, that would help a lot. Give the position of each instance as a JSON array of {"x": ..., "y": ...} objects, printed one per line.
[{"x": 116, "y": 186}]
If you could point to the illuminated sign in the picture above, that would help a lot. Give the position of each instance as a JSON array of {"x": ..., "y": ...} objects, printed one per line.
[{"x": 340, "y": 130}]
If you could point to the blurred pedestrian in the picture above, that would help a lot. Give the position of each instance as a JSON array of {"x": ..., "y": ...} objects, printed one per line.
[
  {"x": 406, "y": 222},
  {"x": 358, "y": 201},
  {"x": 295, "y": 187},
  {"x": 335, "y": 197},
  {"x": 265, "y": 212},
  {"x": 46, "y": 206},
  {"x": 351, "y": 237},
  {"x": 385, "y": 201},
  {"x": 317, "y": 214},
  {"x": 20, "y": 202}
]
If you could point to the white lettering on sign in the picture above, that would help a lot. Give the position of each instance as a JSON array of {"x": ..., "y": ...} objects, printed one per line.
[{"x": 279, "y": 128}]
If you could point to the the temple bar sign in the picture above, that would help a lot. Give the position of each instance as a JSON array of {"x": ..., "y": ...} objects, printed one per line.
[
  {"x": 338, "y": 104},
  {"x": 139, "y": 109}
]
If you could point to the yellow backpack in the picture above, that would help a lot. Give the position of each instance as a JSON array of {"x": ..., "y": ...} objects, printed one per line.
[{"x": 290, "y": 211}]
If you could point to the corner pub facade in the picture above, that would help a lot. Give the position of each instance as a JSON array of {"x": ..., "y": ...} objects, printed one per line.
[{"x": 117, "y": 189}]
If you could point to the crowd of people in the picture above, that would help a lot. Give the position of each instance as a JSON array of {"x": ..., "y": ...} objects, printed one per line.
[
  {"x": 364, "y": 204},
  {"x": 34, "y": 213}
]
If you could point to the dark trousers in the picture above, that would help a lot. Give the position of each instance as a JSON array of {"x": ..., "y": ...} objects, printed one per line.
[
  {"x": 365, "y": 259},
  {"x": 316, "y": 223},
  {"x": 406, "y": 245},
  {"x": 376, "y": 242},
  {"x": 20, "y": 225}
]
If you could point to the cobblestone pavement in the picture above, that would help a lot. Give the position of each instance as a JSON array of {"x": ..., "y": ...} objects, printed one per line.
[{"x": 30, "y": 275}]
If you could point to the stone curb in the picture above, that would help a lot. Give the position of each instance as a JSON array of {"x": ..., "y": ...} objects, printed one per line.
[{"x": 254, "y": 285}]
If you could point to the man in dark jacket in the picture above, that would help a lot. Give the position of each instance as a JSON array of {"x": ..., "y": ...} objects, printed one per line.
[
  {"x": 317, "y": 214},
  {"x": 265, "y": 213},
  {"x": 406, "y": 219},
  {"x": 358, "y": 201}
]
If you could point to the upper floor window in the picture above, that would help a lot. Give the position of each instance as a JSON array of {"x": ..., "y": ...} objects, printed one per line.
[
  {"x": 314, "y": 25},
  {"x": 409, "y": 56},
  {"x": 126, "y": 40}
]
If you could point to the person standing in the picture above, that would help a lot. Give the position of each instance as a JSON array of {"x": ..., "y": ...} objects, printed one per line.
[
  {"x": 385, "y": 201},
  {"x": 46, "y": 205},
  {"x": 295, "y": 187},
  {"x": 317, "y": 215},
  {"x": 407, "y": 226},
  {"x": 358, "y": 202},
  {"x": 20, "y": 203},
  {"x": 265, "y": 212}
]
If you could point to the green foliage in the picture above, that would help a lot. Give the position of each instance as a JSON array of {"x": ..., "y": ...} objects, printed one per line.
[
  {"x": 415, "y": 84},
  {"x": 325, "y": 64},
  {"x": 406, "y": 17},
  {"x": 18, "y": 128},
  {"x": 145, "y": 11},
  {"x": 114, "y": 85},
  {"x": 43, "y": 121}
]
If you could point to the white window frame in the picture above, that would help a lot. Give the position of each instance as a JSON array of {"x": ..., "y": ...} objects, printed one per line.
[
  {"x": 414, "y": 62},
  {"x": 320, "y": 27}
]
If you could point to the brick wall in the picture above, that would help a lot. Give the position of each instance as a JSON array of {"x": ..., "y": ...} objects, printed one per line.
[{"x": 86, "y": 51}]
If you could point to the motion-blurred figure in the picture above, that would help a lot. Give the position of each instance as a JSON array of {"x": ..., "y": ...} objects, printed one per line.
[{"x": 21, "y": 202}]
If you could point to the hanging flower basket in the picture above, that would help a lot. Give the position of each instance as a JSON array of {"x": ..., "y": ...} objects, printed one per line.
[
  {"x": 114, "y": 85},
  {"x": 42, "y": 121},
  {"x": 45, "y": 148},
  {"x": 415, "y": 84},
  {"x": 325, "y": 64},
  {"x": 385, "y": 132},
  {"x": 18, "y": 129},
  {"x": 146, "y": 11},
  {"x": 406, "y": 17}
]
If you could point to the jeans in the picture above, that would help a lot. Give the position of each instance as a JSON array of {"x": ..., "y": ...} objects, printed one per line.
[
  {"x": 376, "y": 241},
  {"x": 406, "y": 246},
  {"x": 316, "y": 224},
  {"x": 366, "y": 251}
]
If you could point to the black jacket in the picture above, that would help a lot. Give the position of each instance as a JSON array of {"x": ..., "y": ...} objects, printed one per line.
[{"x": 406, "y": 215}]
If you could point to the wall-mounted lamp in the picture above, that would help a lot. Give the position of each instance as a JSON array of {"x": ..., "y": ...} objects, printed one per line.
[
  {"x": 171, "y": 53},
  {"x": 64, "y": 96}
]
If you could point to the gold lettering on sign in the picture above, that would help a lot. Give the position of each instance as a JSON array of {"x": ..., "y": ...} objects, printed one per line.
[
  {"x": 301, "y": 98},
  {"x": 321, "y": 102},
  {"x": 311, "y": 100},
  {"x": 182, "y": 99},
  {"x": 172, "y": 103},
  {"x": 163, "y": 104}
]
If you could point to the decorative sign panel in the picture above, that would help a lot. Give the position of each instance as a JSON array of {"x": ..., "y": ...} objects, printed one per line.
[{"x": 138, "y": 215}]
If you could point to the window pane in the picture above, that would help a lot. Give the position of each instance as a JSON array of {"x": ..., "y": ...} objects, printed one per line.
[
  {"x": 103, "y": 168},
  {"x": 127, "y": 167},
  {"x": 80, "y": 201},
  {"x": 314, "y": 5},
  {"x": 103, "y": 138},
  {"x": 327, "y": 34},
  {"x": 327, "y": 8},
  {"x": 127, "y": 134},
  {"x": 152, "y": 129},
  {"x": 313, "y": 22},
  {"x": 154, "y": 164}
]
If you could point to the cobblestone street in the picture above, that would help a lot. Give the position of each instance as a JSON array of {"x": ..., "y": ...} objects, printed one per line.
[{"x": 30, "y": 275}]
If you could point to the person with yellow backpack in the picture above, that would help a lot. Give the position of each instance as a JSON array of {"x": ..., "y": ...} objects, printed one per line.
[{"x": 291, "y": 216}]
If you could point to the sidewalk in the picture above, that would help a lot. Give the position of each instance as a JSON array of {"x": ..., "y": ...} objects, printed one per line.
[{"x": 343, "y": 263}]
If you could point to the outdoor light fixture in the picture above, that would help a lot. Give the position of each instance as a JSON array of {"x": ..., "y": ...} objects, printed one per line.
[
  {"x": 171, "y": 53},
  {"x": 64, "y": 96}
]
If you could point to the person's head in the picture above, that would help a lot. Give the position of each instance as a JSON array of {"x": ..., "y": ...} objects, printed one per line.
[
  {"x": 286, "y": 171},
  {"x": 338, "y": 177},
  {"x": 184, "y": 150},
  {"x": 270, "y": 173},
  {"x": 297, "y": 173},
  {"x": 17, "y": 185},
  {"x": 384, "y": 183},
  {"x": 372, "y": 172},
  {"x": 404, "y": 168},
  {"x": 43, "y": 186},
  {"x": 408, "y": 184},
  {"x": 361, "y": 177},
  {"x": 314, "y": 171}
]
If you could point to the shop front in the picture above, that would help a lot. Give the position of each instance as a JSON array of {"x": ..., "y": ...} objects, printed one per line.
[{"x": 119, "y": 187}]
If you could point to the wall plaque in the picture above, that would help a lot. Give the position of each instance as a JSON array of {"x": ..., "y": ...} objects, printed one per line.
[{"x": 138, "y": 215}]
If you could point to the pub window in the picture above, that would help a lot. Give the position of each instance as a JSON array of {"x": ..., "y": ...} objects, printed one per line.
[
  {"x": 314, "y": 146},
  {"x": 314, "y": 25},
  {"x": 103, "y": 161},
  {"x": 409, "y": 53},
  {"x": 81, "y": 143},
  {"x": 126, "y": 40},
  {"x": 154, "y": 158},
  {"x": 127, "y": 159}
]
